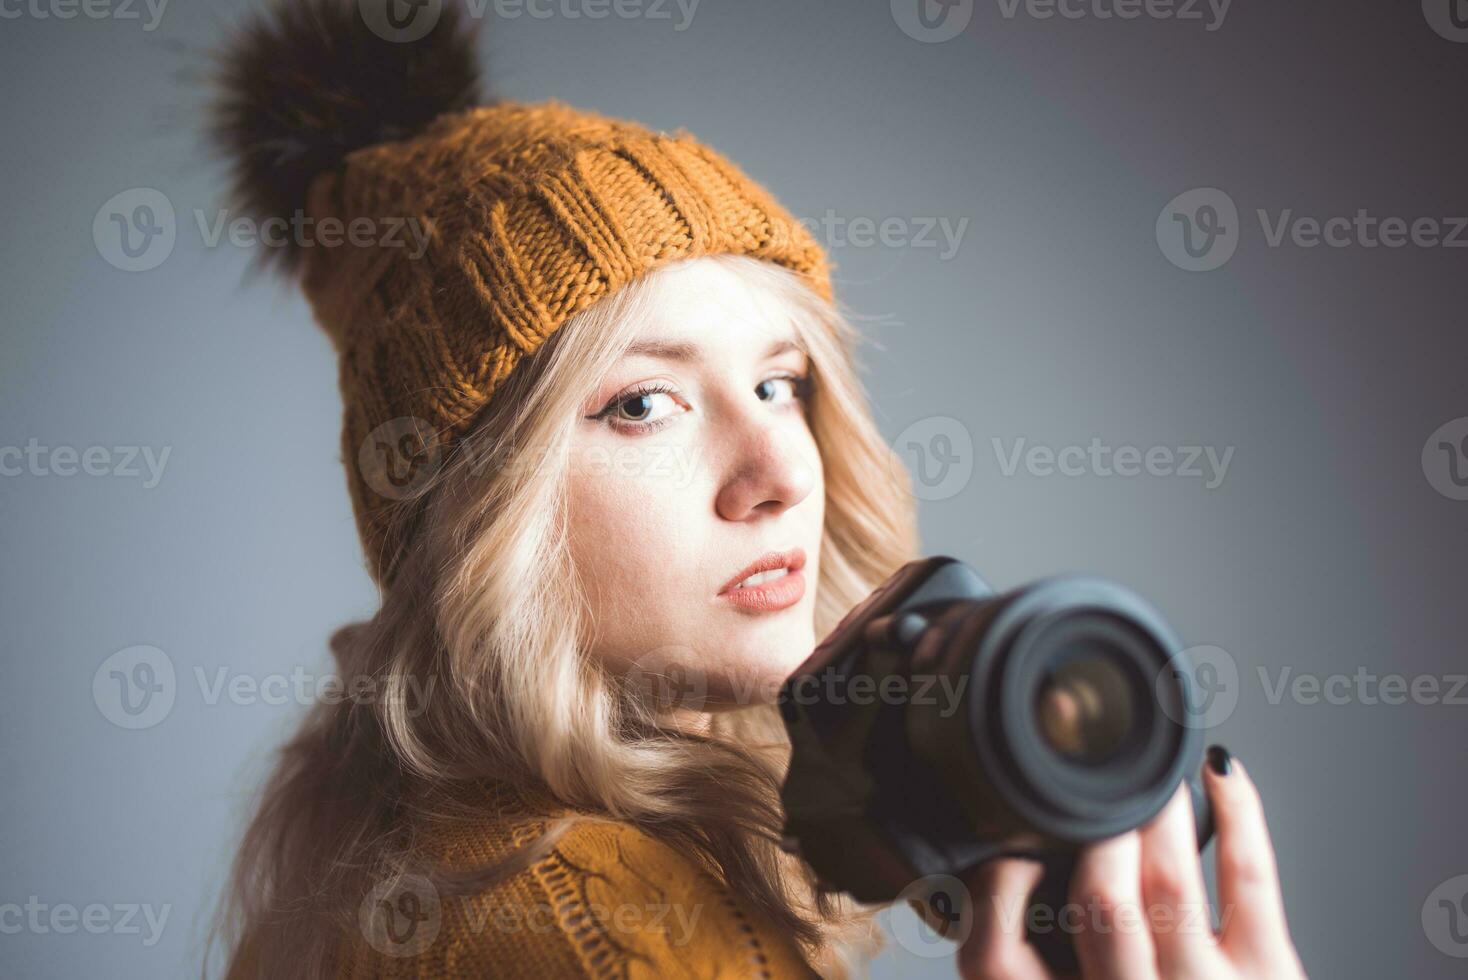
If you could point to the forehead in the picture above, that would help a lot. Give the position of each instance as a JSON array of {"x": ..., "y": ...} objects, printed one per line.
[{"x": 701, "y": 308}]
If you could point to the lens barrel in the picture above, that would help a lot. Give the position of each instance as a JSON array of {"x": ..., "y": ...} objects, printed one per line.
[
  {"x": 1066, "y": 721},
  {"x": 1074, "y": 725}
]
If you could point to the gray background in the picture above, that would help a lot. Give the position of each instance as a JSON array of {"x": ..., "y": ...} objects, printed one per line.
[{"x": 1325, "y": 549}]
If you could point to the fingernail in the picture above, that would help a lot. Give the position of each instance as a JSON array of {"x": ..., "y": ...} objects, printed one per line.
[{"x": 1219, "y": 760}]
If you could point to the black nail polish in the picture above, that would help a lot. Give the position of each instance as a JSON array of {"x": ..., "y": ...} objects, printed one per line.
[{"x": 1219, "y": 760}]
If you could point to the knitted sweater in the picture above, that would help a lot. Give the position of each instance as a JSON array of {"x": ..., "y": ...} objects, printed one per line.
[{"x": 608, "y": 900}]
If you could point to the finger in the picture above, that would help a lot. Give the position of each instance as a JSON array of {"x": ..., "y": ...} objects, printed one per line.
[
  {"x": 996, "y": 948},
  {"x": 1174, "y": 897},
  {"x": 1252, "y": 913},
  {"x": 1112, "y": 942}
]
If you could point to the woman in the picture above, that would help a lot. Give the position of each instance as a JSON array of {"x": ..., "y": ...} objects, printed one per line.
[{"x": 603, "y": 431}]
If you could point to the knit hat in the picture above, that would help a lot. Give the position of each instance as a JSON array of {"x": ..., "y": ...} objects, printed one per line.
[{"x": 465, "y": 233}]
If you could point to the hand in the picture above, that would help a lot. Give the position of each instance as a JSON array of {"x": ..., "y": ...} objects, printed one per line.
[{"x": 1138, "y": 905}]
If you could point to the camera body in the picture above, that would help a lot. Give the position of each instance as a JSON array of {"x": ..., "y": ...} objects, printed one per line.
[{"x": 941, "y": 725}]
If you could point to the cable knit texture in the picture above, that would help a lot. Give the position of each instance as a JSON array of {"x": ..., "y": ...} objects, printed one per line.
[
  {"x": 608, "y": 901},
  {"x": 534, "y": 212}
]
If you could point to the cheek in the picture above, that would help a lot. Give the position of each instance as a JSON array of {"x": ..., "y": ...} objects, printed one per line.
[
  {"x": 630, "y": 543},
  {"x": 611, "y": 525}
]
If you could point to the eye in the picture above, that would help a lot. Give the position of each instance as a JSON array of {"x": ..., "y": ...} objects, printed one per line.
[
  {"x": 799, "y": 386},
  {"x": 637, "y": 410}
]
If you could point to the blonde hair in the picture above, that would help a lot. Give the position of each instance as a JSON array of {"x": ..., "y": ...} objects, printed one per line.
[{"x": 484, "y": 613}]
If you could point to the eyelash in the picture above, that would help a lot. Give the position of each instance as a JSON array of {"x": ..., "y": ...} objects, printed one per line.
[{"x": 803, "y": 385}]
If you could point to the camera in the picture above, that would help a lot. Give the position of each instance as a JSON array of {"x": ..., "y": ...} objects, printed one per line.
[{"x": 942, "y": 724}]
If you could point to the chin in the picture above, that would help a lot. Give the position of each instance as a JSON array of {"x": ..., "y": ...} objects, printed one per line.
[
  {"x": 777, "y": 662},
  {"x": 754, "y": 676}
]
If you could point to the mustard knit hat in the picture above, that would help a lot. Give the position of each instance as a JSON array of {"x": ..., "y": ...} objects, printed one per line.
[{"x": 530, "y": 214}]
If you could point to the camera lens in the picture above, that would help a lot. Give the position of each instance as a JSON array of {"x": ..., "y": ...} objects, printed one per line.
[
  {"x": 1071, "y": 724},
  {"x": 1085, "y": 707},
  {"x": 1082, "y": 673}
]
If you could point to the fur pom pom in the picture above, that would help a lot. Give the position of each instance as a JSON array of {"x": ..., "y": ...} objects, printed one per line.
[{"x": 308, "y": 81}]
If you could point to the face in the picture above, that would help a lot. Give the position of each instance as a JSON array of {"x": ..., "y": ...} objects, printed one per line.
[{"x": 692, "y": 462}]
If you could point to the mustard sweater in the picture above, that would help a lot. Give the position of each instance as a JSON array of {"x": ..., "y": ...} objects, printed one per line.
[{"x": 608, "y": 901}]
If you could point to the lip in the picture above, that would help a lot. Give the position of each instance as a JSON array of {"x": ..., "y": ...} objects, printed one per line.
[{"x": 780, "y": 593}]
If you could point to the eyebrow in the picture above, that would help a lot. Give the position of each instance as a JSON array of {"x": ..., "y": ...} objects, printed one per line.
[{"x": 681, "y": 350}]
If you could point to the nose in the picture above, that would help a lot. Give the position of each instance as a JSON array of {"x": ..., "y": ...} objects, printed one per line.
[{"x": 771, "y": 470}]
